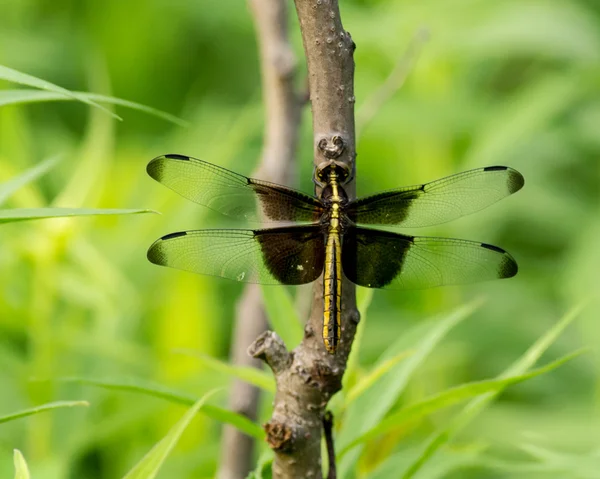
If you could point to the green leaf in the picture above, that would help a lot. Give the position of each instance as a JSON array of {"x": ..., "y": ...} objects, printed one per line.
[
  {"x": 21, "y": 469},
  {"x": 156, "y": 390},
  {"x": 9, "y": 187},
  {"x": 339, "y": 402},
  {"x": 236, "y": 420},
  {"x": 549, "y": 462},
  {"x": 150, "y": 464},
  {"x": 11, "y": 97},
  {"x": 256, "y": 377},
  {"x": 364, "y": 297},
  {"x": 582, "y": 466},
  {"x": 15, "y": 76},
  {"x": 24, "y": 214},
  {"x": 472, "y": 409},
  {"x": 450, "y": 397},
  {"x": 447, "y": 462},
  {"x": 282, "y": 315},
  {"x": 366, "y": 382},
  {"x": 369, "y": 410},
  {"x": 42, "y": 408}
]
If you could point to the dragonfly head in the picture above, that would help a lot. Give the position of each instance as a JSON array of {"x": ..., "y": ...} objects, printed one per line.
[{"x": 329, "y": 170}]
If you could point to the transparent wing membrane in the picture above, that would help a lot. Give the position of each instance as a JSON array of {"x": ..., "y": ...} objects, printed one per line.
[
  {"x": 380, "y": 259},
  {"x": 289, "y": 255},
  {"x": 296, "y": 254},
  {"x": 439, "y": 201},
  {"x": 232, "y": 194}
]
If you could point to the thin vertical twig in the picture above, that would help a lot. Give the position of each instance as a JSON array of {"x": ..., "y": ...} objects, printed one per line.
[
  {"x": 328, "y": 432},
  {"x": 282, "y": 120}
]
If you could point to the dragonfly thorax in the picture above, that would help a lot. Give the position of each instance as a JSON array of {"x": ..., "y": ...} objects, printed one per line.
[{"x": 334, "y": 193}]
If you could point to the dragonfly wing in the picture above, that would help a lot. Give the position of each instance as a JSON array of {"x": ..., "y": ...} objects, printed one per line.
[
  {"x": 287, "y": 255},
  {"x": 232, "y": 194},
  {"x": 381, "y": 259},
  {"x": 439, "y": 201}
]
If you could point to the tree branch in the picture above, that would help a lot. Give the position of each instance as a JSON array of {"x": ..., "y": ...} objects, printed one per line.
[
  {"x": 308, "y": 376},
  {"x": 282, "y": 111}
]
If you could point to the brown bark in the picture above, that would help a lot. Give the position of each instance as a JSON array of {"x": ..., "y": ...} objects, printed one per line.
[
  {"x": 282, "y": 117},
  {"x": 308, "y": 376}
]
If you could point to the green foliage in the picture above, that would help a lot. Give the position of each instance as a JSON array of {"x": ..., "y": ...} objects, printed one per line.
[
  {"x": 15, "y": 97},
  {"x": 23, "y": 214},
  {"x": 477, "y": 405},
  {"x": 21, "y": 470},
  {"x": 15, "y": 76},
  {"x": 42, "y": 408},
  {"x": 282, "y": 315},
  {"x": 9, "y": 187},
  {"x": 150, "y": 464},
  {"x": 512, "y": 82},
  {"x": 369, "y": 410},
  {"x": 257, "y": 377},
  {"x": 449, "y": 398},
  {"x": 156, "y": 390}
]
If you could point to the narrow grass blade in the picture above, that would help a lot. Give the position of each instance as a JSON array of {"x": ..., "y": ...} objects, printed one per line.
[
  {"x": 256, "y": 377},
  {"x": 382, "y": 368},
  {"x": 144, "y": 387},
  {"x": 12, "y": 97},
  {"x": 20, "y": 78},
  {"x": 282, "y": 315},
  {"x": 453, "y": 396},
  {"x": 21, "y": 469},
  {"x": 371, "y": 408},
  {"x": 42, "y": 408},
  {"x": 156, "y": 390},
  {"x": 472, "y": 409},
  {"x": 339, "y": 402},
  {"x": 446, "y": 464},
  {"x": 364, "y": 297},
  {"x": 9, "y": 187},
  {"x": 582, "y": 466},
  {"x": 234, "y": 419},
  {"x": 150, "y": 464},
  {"x": 26, "y": 214},
  {"x": 549, "y": 462}
]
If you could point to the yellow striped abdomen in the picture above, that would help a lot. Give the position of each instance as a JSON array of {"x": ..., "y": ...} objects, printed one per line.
[{"x": 332, "y": 292}]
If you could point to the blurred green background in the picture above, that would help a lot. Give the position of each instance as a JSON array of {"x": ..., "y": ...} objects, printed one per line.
[{"x": 515, "y": 83}]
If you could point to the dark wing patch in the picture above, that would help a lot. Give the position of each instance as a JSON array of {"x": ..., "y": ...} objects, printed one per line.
[
  {"x": 173, "y": 235},
  {"x": 381, "y": 259},
  {"x": 495, "y": 168},
  {"x": 289, "y": 255},
  {"x": 174, "y": 156},
  {"x": 232, "y": 194},
  {"x": 439, "y": 201},
  {"x": 294, "y": 255},
  {"x": 373, "y": 258}
]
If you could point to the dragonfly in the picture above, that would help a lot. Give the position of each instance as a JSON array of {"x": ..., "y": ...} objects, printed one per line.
[{"x": 330, "y": 235}]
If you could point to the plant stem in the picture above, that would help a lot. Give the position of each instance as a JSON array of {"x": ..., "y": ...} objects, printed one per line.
[{"x": 282, "y": 121}]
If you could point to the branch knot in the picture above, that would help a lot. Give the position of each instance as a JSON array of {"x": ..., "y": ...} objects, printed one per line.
[
  {"x": 279, "y": 436},
  {"x": 270, "y": 348},
  {"x": 333, "y": 147}
]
